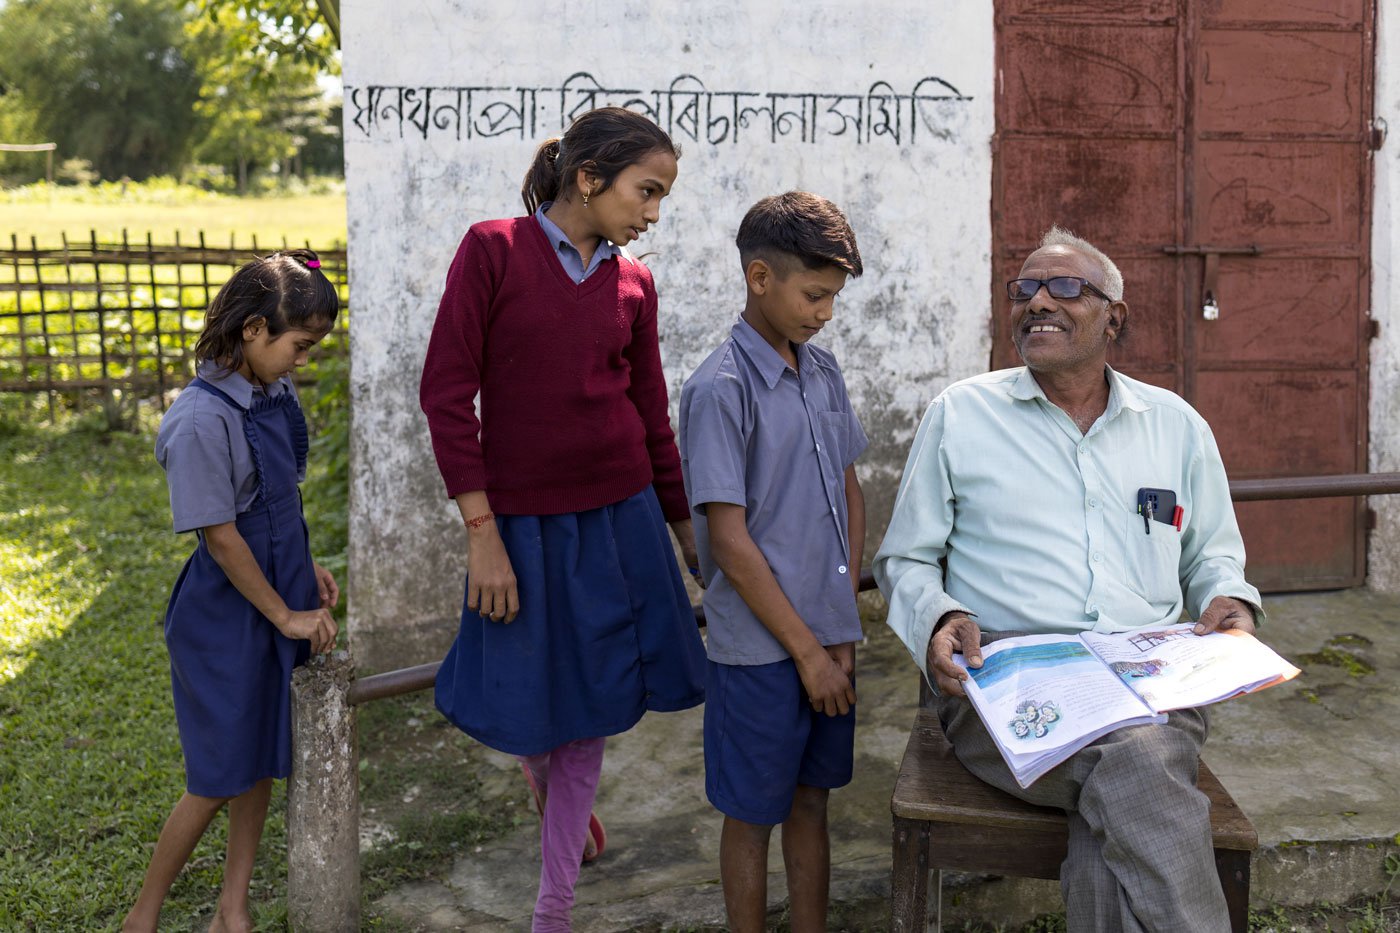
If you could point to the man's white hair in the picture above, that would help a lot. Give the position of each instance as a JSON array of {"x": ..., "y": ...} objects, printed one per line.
[{"x": 1112, "y": 278}]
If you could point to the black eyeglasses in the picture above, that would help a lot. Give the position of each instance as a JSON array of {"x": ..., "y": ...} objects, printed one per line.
[{"x": 1063, "y": 287}]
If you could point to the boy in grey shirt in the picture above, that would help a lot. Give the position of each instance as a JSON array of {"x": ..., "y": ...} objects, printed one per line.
[{"x": 768, "y": 443}]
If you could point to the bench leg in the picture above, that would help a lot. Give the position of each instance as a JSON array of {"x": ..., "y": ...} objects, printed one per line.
[
  {"x": 909, "y": 877},
  {"x": 1233, "y": 868}
]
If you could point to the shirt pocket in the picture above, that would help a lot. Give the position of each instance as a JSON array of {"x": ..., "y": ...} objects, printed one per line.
[
  {"x": 834, "y": 436},
  {"x": 1152, "y": 561}
]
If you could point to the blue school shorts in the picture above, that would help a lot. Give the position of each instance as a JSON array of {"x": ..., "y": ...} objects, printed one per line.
[{"x": 762, "y": 739}]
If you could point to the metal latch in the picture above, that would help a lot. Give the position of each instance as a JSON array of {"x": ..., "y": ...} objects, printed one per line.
[{"x": 1210, "y": 307}]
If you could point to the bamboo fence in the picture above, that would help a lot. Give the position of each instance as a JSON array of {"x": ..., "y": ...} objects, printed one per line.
[{"x": 118, "y": 321}]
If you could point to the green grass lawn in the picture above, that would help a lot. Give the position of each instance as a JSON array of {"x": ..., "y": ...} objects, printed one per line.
[
  {"x": 48, "y": 213},
  {"x": 91, "y": 762}
]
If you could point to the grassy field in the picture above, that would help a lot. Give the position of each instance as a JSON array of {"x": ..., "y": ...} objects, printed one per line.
[
  {"x": 91, "y": 757},
  {"x": 164, "y": 209}
]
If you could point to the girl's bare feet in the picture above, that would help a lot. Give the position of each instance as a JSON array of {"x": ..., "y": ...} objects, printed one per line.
[
  {"x": 135, "y": 923},
  {"x": 229, "y": 921}
]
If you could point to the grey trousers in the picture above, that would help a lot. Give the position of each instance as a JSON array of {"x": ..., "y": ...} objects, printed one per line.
[{"x": 1140, "y": 855}]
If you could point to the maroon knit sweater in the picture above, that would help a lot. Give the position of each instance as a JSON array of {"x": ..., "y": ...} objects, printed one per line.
[{"x": 573, "y": 398}]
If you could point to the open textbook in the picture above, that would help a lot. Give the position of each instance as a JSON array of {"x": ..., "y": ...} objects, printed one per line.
[{"x": 1044, "y": 697}]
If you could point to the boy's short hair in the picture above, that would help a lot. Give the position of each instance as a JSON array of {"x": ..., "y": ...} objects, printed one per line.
[{"x": 800, "y": 226}]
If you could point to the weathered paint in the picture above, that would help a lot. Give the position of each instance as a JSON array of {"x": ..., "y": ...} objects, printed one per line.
[
  {"x": 1383, "y": 571},
  {"x": 912, "y": 175}
]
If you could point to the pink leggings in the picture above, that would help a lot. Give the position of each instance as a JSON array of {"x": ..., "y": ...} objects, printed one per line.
[{"x": 569, "y": 774}]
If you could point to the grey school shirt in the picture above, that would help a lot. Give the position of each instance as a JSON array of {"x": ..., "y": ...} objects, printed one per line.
[
  {"x": 756, "y": 433},
  {"x": 206, "y": 456}
]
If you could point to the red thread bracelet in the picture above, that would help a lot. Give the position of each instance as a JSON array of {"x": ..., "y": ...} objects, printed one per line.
[{"x": 480, "y": 520}]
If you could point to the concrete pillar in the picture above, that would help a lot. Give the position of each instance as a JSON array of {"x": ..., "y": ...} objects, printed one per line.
[{"x": 323, "y": 800}]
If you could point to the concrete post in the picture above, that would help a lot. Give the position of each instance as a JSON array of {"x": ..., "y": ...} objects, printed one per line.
[{"x": 323, "y": 800}]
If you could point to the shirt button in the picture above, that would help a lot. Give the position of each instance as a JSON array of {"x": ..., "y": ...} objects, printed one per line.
[
  {"x": 1083, "y": 448},
  {"x": 1094, "y": 607},
  {"x": 833, "y": 510},
  {"x": 819, "y": 447},
  {"x": 1093, "y": 503},
  {"x": 841, "y": 569},
  {"x": 1097, "y": 557}
]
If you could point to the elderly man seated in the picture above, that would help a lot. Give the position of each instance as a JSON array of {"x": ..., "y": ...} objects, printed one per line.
[{"x": 1018, "y": 512}]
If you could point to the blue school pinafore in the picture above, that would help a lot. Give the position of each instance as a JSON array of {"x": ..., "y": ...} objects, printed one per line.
[{"x": 230, "y": 668}]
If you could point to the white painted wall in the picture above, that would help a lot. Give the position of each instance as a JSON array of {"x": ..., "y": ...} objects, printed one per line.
[
  {"x": 1384, "y": 554},
  {"x": 914, "y": 177}
]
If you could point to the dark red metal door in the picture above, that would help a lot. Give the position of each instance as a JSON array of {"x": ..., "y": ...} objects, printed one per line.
[{"x": 1219, "y": 152}]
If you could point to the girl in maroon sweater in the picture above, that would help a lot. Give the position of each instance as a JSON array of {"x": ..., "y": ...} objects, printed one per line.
[{"x": 575, "y": 620}]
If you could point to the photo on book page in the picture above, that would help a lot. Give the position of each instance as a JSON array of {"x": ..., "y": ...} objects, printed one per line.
[{"x": 1046, "y": 694}]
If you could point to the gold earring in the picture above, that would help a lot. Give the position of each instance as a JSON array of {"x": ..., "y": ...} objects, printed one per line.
[{"x": 585, "y": 199}]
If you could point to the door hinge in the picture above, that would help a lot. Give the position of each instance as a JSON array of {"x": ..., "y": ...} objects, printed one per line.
[
  {"x": 1373, "y": 329},
  {"x": 1370, "y": 519},
  {"x": 1378, "y": 130}
]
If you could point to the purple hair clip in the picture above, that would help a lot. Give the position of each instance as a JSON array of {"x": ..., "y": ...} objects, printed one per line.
[{"x": 313, "y": 263}]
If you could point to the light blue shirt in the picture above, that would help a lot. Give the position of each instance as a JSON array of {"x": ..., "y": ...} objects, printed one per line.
[
  {"x": 208, "y": 461},
  {"x": 1038, "y": 524},
  {"x": 568, "y": 255},
  {"x": 756, "y": 433}
]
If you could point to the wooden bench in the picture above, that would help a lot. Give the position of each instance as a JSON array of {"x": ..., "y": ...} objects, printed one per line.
[{"x": 945, "y": 817}]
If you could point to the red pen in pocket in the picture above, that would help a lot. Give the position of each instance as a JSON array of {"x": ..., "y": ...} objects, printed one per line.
[{"x": 1178, "y": 514}]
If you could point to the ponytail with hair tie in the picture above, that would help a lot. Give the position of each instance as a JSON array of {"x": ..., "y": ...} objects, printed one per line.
[{"x": 542, "y": 181}]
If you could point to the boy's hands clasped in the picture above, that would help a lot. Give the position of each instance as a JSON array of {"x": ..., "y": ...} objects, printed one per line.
[{"x": 827, "y": 674}]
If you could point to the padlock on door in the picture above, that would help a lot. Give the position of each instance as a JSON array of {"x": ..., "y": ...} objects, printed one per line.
[{"x": 1210, "y": 308}]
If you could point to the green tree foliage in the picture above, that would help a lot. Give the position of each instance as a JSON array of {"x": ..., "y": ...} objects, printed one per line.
[
  {"x": 142, "y": 87},
  {"x": 110, "y": 81},
  {"x": 19, "y": 124},
  {"x": 256, "y": 108},
  {"x": 307, "y": 31}
]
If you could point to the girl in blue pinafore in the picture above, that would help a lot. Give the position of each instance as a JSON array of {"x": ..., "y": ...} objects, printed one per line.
[
  {"x": 249, "y": 604},
  {"x": 575, "y": 621}
]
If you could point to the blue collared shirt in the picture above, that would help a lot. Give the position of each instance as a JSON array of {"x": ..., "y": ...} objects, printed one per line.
[
  {"x": 208, "y": 462},
  {"x": 755, "y": 433},
  {"x": 1038, "y": 523},
  {"x": 569, "y": 256}
]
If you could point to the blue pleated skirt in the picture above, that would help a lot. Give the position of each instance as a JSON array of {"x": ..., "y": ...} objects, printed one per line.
[{"x": 605, "y": 633}]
